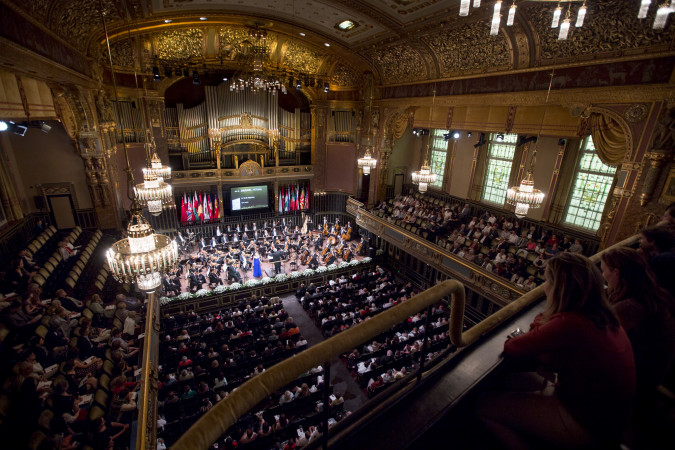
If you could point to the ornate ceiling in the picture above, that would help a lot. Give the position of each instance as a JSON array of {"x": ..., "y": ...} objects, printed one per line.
[{"x": 403, "y": 41}]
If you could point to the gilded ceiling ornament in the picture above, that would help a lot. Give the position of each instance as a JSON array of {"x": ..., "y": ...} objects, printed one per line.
[
  {"x": 122, "y": 54},
  {"x": 300, "y": 58},
  {"x": 235, "y": 41},
  {"x": 609, "y": 26},
  {"x": 400, "y": 63},
  {"x": 635, "y": 113},
  {"x": 466, "y": 48},
  {"x": 344, "y": 76},
  {"x": 180, "y": 44},
  {"x": 74, "y": 20}
]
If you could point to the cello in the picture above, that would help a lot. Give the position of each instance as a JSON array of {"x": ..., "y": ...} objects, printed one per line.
[
  {"x": 347, "y": 233},
  {"x": 347, "y": 254},
  {"x": 304, "y": 256},
  {"x": 325, "y": 229},
  {"x": 359, "y": 248}
]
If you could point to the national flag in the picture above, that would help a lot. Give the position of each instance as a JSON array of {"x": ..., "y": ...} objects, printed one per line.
[
  {"x": 211, "y": 208},
  {"x": 206, "y": 207},
  {"x": 216, "y": 207},
  {"x": 302, "y": 197},
  {"x": 190, "y": 215},
  {"x": 200, "y": 207},
  {"x": 195, "y": 206},
  {"x": 307, "y": 197},
  {"x": 183, "y": 209},
  {"x": 297, "y": 196},
  {"x": 281, "y": 199}
]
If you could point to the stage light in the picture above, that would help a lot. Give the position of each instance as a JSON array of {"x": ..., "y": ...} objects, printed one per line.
[
  {"x": 500, "y": 137},
  {"x": 3, "y": 125},
  {"x": 45, "y": 128},
  {"x": 455, "y": 134},
  {"x": 168, "y": 73},
  {"x": 155, "y": 74},
  {"x": 195, "y": 78},
  {"x": 468, "y": 134},
  {"x": 298, "y": 84},
  {"x": 326, "y": 88}
]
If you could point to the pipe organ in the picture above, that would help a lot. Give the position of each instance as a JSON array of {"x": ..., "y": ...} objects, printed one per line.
[
  {"x": 130, "y": 118},
  {"x": 249, "y": 123}
]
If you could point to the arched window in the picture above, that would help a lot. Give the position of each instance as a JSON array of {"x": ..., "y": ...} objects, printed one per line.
[
  {"x": 501, "y": 149},
  {"x": 438, "y": 146},
  {"x": 592, "y": 182}
]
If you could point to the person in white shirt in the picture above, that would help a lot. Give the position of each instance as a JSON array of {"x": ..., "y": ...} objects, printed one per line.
[
  {"x": 130, "y": 324},
  {"x": 501, "y": 257}
]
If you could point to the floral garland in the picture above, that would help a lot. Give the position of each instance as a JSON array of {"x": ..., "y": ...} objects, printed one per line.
[{"x": 163, "y": 301}]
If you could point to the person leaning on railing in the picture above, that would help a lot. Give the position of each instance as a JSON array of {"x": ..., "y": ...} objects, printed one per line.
[{"x": 579, "y": 338}]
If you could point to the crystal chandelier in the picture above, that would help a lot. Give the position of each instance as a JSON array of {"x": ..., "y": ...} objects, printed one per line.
[
  {"x": 142, "y": 256},
  {"x": 257, "y": 80},
  {"x": 156, "y": 167},
  {"x": 662, "y": 12},
  {"x": 525, "y": 196},
  {"x": 153, "y": 193},
  {"x": 424, "y": 177},
  {"x": 367, "y": 162}
]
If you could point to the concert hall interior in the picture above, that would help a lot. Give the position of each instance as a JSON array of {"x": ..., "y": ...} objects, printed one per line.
[{"x": 273, "y": 224}]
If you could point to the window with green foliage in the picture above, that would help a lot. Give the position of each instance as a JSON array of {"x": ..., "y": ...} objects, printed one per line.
[
  {"x": 501, "y": 148},
  {"x": 592, "y": 183},
  {"x": 438, "y": 147}
]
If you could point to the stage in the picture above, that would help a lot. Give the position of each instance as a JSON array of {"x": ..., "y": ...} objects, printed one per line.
[{"x": 290, "y": 260}]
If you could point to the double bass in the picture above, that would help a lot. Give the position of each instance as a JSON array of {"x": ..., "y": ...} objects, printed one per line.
[
  {"x": 359, "y": 248},
  {"x": 347, "y": 254},
  {"x": 332, "y": 240}
]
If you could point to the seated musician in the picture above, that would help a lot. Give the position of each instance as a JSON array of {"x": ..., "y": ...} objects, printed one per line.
[
  {"x": 244, "y": 236},
  {"x": 202, "y": 244},
  {"x": 337, "y": 224},
  {"x": 232, "y": 274},
  {"x": 332, "y": 259},
  {"x": 244, "y": 264},
  {"x": 319, "y": 242},
  {"x": 214, "y": 242},
  {"x": 214, "y": 278},
  {"x": 193, "y": 280},
  {"x": 238, "y": 229},
  {"x": 218, "y": 232},
  {"x": 274, "y": 231},
  {"x": 313, "y": 262},
  {"x": 255, "y": 235},
  {"x": 235, "y": 238},
  {"x": 169, "y": 287},
  {"x": 245, "y": 227},
  {"x": 201, "y": 277},
  {"x": 223, "y": 239}
]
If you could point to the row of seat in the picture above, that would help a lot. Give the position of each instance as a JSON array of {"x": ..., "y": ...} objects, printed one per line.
[
  {"x": 85, "y": 255},
  {"x": 36, "y": 244}
]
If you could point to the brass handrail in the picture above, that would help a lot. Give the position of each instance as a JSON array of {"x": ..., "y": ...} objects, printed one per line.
[{"x": 224, "y": 414}]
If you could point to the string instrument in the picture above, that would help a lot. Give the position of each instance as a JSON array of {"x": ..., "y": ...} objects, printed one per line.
[
  {"x": 304, "y": 226},
  {"x": 337, "y": 226},
  {"x": 323, "y": 252},
  {"x": 340, "y": 248},
  {"x": 332, "y": 240},
  {"x": 304, "y": 257},
  {"x": 347, "y": 234},
  {"x": 327, "y": 257},
  {"x": 325, "y": 229},
  {"x": 359, "y": 248},
  {"x": 347, "y": 254}
]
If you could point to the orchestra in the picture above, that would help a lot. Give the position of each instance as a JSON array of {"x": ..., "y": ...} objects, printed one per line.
[{"x": 231, "y": 253}]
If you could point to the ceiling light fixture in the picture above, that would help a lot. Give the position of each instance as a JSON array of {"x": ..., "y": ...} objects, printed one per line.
[
  {"x": 326, "y": 44},
  {"x": 302, "y": 34},
  {"x": 168, "y": 20},
  {"x": 203, "y": 18},
  {"x": 424, "y": 177},
  {"x": 525, "y": 196},
  {"x": 346, "y": 25},
  {"x": 667, "y": 7}
]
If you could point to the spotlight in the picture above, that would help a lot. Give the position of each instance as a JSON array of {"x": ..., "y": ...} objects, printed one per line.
[
  {"x": 155, "y": 74},
  {"x": 500, "y": 137},
  {"x": 446, "y": 136},
  {"x": 186, "y": 73},
  {"x": 45, "y": 128},
  {"x": 13, "y": 127},
  {"x": 455, "y": 134},
  {"x": 177, "y": 72},
  {"x": 468, "y": 134},
  {"x": 3, "y": 125},
  {"x": 326, "y": 88},
  {"x": 195, "y": 78},
  {"x": 298, "y": 84}
]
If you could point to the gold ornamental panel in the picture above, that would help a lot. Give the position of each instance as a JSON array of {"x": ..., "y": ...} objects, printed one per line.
[
  {"x": 400, "y": 63},
  {"x": 176, "y": 45},
  {"x": 302, "y": 59}
]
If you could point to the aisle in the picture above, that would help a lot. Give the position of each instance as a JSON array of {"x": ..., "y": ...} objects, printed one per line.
[{"x": 341, "y": 379}]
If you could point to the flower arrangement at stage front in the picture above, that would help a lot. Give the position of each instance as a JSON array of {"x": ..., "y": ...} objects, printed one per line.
[
  {"x": 267, "y": 280},
  {"x": 202, "y": 293},
  {"x": 281, "y": 277},
  {"x": 295, "y": 274},
  {"x": 252, "y": 283}
]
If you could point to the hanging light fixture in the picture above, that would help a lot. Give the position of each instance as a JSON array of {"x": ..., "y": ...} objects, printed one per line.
[
  {"x": 156, "y": 167},
  {"x": 666, "y": 8},
  {"x": 512, "y": 15},
  {"x": 143, "y": 256},
  {"x": 525, "y": 196},
  {"x": 367, "y": 162},
  {"x": 424, "y": 177},
  {"x": 496, "y": 18},
  {"x": 662, "y": 14},
  {"x": 556, "y": 16}
]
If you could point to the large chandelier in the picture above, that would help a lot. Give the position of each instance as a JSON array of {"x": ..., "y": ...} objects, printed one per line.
[
  {"x": 367, "y": 162},
  {"x": 424, "y": 177},
  {"x": 142, "y": 256},
  {"x": 255, "y": 79},
  {"x": 153, "y": 193},
  {"x": 156, "y": 167},
  {"x": 525, "y": 196}
]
